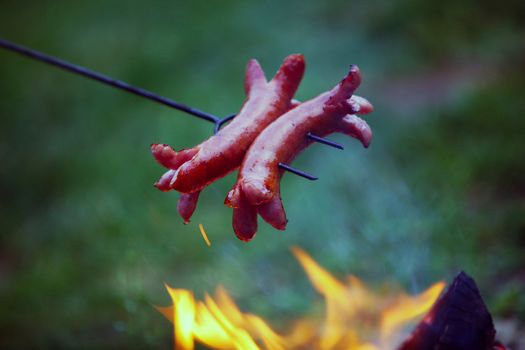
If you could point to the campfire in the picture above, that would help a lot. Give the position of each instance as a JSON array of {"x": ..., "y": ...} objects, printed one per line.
[{"x": 356, "y": 318}]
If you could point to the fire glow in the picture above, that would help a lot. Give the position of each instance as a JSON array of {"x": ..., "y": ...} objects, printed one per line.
[{"x": 356, "y": 318}]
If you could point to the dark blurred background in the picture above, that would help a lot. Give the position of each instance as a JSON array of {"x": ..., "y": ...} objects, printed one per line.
[{"x": 86, "y": 242}]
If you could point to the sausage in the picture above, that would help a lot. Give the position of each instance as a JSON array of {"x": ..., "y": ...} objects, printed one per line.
[
  {"x": 187, "y": 204},
  {"x": 257, "y": 188},
  {"x": 190, "y": 170}
]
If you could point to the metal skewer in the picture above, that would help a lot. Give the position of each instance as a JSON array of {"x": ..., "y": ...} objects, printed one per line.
[
  {"x": 297, "y": 172},
  {"x": 324, "y": 141},
  {"x": 118, "y": 84},
  {"x": 73, "y": 68}
]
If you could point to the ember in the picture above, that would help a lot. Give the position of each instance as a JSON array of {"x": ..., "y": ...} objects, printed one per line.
[{"x": 204, "y": 235}]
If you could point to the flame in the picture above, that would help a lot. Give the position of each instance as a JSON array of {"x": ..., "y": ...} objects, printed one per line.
[{"x": 356, "y": 318}]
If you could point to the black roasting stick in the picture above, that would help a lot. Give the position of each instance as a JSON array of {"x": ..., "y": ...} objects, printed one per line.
[
  {"x": 73, "y": 68},
  {"x": 118, "y": 84}
]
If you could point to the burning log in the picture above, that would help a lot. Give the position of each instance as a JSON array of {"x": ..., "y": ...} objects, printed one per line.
[{"x": 459, "y": 320}]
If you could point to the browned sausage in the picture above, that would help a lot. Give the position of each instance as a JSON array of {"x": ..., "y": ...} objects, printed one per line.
[
  {"x": 187, "y": 204},
  {"x": 192, "y": 169},
  {"x": 257, "y": 188}
]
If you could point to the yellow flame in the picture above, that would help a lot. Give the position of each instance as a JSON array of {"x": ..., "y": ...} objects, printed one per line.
[
  {"x": 406, "y": 308},
  {"x": 356, "y": 318}
]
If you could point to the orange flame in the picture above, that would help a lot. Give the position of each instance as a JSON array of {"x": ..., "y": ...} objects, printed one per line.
[{"x": 356, "y": 318}]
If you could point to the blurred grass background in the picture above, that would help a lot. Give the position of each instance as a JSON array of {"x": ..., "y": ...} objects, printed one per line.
[{"x": 86, "y": 242}]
